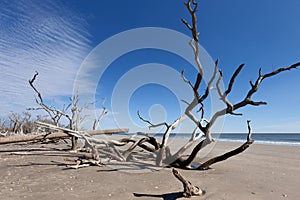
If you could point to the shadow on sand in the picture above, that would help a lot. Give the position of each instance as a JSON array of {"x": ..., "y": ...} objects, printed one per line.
[{"x": 168, "y": 196}]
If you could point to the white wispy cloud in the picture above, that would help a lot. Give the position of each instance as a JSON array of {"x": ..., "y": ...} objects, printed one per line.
[{"x": 45, "y": 36}]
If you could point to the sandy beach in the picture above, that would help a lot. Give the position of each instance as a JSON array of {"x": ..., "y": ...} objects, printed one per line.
[{"x": 38, "y": 171}]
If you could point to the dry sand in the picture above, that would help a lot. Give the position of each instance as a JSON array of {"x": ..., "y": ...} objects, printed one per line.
[{"x": 261, "y": 172}]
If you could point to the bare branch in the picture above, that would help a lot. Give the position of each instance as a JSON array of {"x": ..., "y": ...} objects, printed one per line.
[
  {"x": 208, "y": 88},
  {"x": 249, "y": 130},
  {"x": 261, "y": 77},
  {"x": 197, "y": 84},
  {"x": 185, "y": 80},
  {"x": 231, "y": 82},
  {"x": 197, "y": 100},
  {"x": 229, "y": 154},
  {"x": 34, "y": 88},
  {"x": 103, "y": 113},
  {"x": 178, "y": 154},
  {"x": 53, "y": 113},
  {"x": 185, "y": 163},
  {"x": 247, "y": 100},
  {"x": 223, "y": 95},
  {"x": 151, "y": 140},
  {"x": 192, "y": 11},
  {"x": 187, "y": 24},
  {"x": 151, "y": 124},
  {"x": 184, "y": 101},
  {"x": 201, "y": 109},
  {"x": 251, "y": 83}
]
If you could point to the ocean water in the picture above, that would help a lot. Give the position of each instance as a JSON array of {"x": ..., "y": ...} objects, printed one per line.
[
  {"x": 283, "y": 139},
  {"x": 286, "y": 139}
]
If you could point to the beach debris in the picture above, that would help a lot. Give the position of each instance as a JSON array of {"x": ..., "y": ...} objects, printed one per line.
[
  {"x": 144, "y": 148},
  {"x": 54, "y": 135},
  {"x": 72, "y": 112},
  {"x": 81, "y": 163},
  {"x": 189, "y": 190},
  {"x": 229, "y": 154},
  {"x": 284, "y": 195}
]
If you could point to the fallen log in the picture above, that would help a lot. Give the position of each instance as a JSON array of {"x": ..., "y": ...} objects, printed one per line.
[
  {"x": 108, "y": 131},
  {"x": 59, "y": 134}
]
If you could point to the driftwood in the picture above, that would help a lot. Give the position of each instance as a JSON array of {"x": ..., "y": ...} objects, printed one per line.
[
  {"x": 72, "y": 112},
  {"x": 149, "y": 145},
  {"x": 189, "y": 190},
  {"x": 55, "y": 135},
  {"x": 81, "y": 163},
  {"x": 203, "y": 124},
  {"x": 229, "y": 154}
]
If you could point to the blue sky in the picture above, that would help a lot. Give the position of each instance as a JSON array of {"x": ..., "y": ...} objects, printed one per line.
[{"x": 56, "y": 38}]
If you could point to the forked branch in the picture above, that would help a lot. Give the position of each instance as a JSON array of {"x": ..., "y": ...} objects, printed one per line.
[
  {"x": 150, "y": 123},
  {"x": 247, "y": 100},
  {"x": 255, "y": 87},
  {"x": 53, "y": 113},
  {"x": 192, "y": 10},
  {"x": 34, "y": 88}
]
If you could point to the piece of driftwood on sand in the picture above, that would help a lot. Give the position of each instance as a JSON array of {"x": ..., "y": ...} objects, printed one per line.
[{"x": 56, "y": 135}]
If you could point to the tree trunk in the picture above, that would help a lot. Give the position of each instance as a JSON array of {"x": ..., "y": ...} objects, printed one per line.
[
  {"x": 74, "y": 143},
  {"x": 6, "y": 140}
]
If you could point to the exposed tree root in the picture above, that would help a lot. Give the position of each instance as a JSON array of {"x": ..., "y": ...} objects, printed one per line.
[{"x": 189, "y": 190}]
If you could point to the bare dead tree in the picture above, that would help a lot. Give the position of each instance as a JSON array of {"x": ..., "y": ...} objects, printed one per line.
[
  {"x": 73, "y": 112},
  {"x": 3, "y": 129},
  {"x": 14, "y": 122},
  {"x": 203, "y": 124},
  {"x": 17, "y": 123},
  {"x": 55, "y": 114},
  {"x": 159, "y": 150},
  {"x": 76, "y": 118},
  {"x": 20, "y": 123},
  {"x": 97, "y": 121}
]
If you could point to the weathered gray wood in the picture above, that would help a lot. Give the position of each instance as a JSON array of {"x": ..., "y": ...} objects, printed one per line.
[
  {"x": 27, "y": 138},
  {"x": 189, "y": 190}
]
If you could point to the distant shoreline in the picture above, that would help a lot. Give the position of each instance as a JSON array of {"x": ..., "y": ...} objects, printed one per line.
[{"x": 278, "y": 139}]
